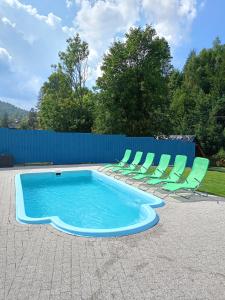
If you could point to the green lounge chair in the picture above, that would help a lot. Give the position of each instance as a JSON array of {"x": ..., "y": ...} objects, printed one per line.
[
  {"x": 174, "y": 175},
  {"x": 143, "y": 169},
  {"x": 159, "y": 170},
  {"x": 121, "y": 163},
  {"x": 194, "y": 179},
  {"x": 132, "y": 166}
]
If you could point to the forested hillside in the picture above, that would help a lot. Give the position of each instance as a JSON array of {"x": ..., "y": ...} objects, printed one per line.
[{"x": 10, "y": 113}]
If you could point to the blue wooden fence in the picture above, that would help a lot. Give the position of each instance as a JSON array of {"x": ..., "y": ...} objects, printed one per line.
[{"x": 30, "y": 146}]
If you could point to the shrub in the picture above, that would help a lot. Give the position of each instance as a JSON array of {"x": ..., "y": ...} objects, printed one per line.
[{"x": 219, "y": 158}]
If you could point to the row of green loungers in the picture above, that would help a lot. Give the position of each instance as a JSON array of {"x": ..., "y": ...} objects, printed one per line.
[{"x": 172, "y": 183}]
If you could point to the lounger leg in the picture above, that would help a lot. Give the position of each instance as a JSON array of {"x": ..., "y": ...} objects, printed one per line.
[
  {"x": 171, "y": 193},
  {"x": 185, "y": 197},
  {"x": 196, "y": 193},
  {"x": 201, "y": 194}
]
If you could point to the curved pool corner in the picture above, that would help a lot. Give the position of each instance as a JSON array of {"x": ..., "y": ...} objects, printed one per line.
[{"x": 150, "y": 220}]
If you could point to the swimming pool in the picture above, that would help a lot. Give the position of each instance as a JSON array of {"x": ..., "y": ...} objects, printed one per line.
[{"x": 86, "y": 203}]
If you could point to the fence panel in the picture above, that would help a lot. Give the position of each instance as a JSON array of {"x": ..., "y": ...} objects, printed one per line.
[{"x": 30, "y": 146}]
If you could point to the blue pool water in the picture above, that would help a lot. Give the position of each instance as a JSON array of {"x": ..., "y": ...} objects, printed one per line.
[{"x": 84, "y": 203}]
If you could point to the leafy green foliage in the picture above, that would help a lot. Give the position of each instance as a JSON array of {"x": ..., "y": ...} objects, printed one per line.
[
  {"x": 138, "y": 92},
  {"x": 132, "y": 91},
  {"x": 10, "y": 115},
  {"x": 5, "y": 121},
  {"x": 64, "y": 102},
  {"x": 29, "y": 122},
  {"x": 198, "y": 97},
  {"x": 73, "y": 63},
  {"x": 219, "y": 158}
]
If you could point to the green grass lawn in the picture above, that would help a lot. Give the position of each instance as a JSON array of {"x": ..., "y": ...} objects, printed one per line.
[{"x": 213, "y": 183}]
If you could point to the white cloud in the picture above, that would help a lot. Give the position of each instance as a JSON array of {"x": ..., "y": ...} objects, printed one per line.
[
  {"x": 103, "y": 19},
  {"x": 100, "y": 22},
  {"x": 69, "y": 30},
  {"x": 171, "y": 18},
  {"x": 31, "y": 85},
  {"x": 69, "y": 3},
  {"x": 18, "y": 5},
  {"x": 33, "y": 39},
  {"x": 6, "y": 21},
  {"x": 33, "y": 43},
  {"x": 50, "y": 19},
  {"x": 5, "y": 56}
]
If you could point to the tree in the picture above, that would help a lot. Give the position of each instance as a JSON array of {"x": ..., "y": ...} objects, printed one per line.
[
  {"x": 133, "y": 89},
  {"x": 73, "y": 63},
  {"x": 23, "y": 124},
  {"x": 32, "y": 119},
  {"x": 197, "y": 100},
  {"x": 53, "y": 94},
  {"x": 29, "y": 122},
  {"x": 63, "y": 104},
  {"x": 5, "y": 121}
]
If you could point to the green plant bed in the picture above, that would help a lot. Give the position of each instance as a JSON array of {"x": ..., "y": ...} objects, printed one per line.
[{"x": 213, "y": 183}]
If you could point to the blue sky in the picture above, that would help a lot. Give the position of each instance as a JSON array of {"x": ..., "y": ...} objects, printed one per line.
[{"x": 32, "y": 32}]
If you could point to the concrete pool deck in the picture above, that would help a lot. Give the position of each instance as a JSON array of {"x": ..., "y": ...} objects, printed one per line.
[{"x": 183, "y": 257}]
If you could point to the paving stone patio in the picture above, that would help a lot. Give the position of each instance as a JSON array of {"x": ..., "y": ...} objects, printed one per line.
[{"x": 183, "y": 257}]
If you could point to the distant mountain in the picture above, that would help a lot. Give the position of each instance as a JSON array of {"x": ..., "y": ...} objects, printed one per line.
[{"x": 14, "y": 113}]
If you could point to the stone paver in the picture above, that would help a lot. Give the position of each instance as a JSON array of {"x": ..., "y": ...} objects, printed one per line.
[{"x": 183, "y": 257}]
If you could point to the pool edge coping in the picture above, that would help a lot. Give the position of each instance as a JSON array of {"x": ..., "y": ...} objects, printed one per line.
[{"x": 57, "y": 223}]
